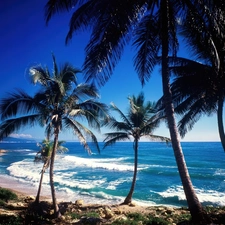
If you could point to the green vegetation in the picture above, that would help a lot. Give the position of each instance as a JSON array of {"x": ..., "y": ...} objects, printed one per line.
[
  {"x": 75, "y": 215},
  {"x": 6, "y": 195},
  {"x": 60, "y": 104},
  {"x": 153, "y": 29},
  {"x": 10, "y": 220},
  {"x": 141, "y": 120},
  {"x": 137, "y": 218}
]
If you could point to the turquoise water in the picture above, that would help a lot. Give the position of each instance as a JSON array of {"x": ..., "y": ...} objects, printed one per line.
[{"x": 106, "y": 177}]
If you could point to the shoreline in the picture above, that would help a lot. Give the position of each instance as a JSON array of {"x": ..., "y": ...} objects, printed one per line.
[
  {"x": 20, "y": 188},
  {"x": 24, "y": 189},
  {"x": 111, "y": 211},
  {"x": 105, "y": 212}
]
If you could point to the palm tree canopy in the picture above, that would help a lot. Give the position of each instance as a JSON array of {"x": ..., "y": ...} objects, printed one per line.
[
  {"x": 45, "y": 150},
  {"x": 194, "y": 92},
  {"x": 113, "y": 25},
  {"x": 140, "y": 120},
  {"x": 198, "y": 85},
  {"x": 60, "y": 102}
]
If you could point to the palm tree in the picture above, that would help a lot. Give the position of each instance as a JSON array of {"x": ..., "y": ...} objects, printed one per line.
[
  {"x": 141, "y": 120},
  {"x": 152, "y": 24},
  {"x": 198, "y": 87},
  {"x": 44, "y": 156},
  {"x": 60, "y": 104}
]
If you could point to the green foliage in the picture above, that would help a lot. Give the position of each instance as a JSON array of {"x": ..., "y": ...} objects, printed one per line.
[
  {"x": 92, "y": 214},
  {"x": 74, "y": 215},
  {"x": 10, "y": 220},
  {"x": 7, "y": 195},
  {"x": 135, "y": 218},
  {"x": 182, "y": 217},
  {"x": 2, "y": 203},
  {"x": 156, "y": 221}
]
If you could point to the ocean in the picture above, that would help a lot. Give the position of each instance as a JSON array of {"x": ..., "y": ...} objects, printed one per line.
[{"x": 106, "y": 178}]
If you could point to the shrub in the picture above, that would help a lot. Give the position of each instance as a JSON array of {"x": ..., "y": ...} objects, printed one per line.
[
  {"x": 136, "y": 216},
  {"x": 2, "y": 203},
  {"x": 92, "y": 214},
  {"x": 10, "y": 220},
  {"x": 156, "y": 221},
  {"x": 7, "y": 195}
]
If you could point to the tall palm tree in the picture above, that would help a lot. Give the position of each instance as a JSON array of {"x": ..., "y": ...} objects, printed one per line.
[
  {"x": 153, "y": 26},
  {"x": 198, "y": 87},
  {"x": 59, "y": 104},
  {"x": 44, "y": 156},
  {"x": 141, "y": 120}
]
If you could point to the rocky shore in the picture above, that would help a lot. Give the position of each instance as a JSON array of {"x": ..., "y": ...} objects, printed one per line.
[{"x": 26, "y": 212}]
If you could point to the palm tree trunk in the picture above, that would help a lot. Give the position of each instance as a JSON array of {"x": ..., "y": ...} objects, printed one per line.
[
  {"x": 57, "y": 213},
  {"x": 220, "y": 121},
  {"x": 45, "y": 165},
  {"x": 128, "y": 199},
  {"x": 194, "y": 205},
  {"x": 40, "y": 183}
]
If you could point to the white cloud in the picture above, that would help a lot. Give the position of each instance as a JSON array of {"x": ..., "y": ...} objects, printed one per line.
[{"x": 21, "y": 135}]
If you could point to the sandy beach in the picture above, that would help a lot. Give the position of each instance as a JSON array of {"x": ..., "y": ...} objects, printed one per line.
[{"x": 20, "y": 188}]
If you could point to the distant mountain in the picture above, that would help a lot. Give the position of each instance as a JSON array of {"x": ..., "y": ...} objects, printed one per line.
[{"x": 18, "y": 140}]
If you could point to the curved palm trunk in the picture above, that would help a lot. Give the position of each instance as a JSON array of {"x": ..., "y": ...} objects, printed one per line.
[
  {"x": 55, "y": 206},
  {"x": 40, "y": 183},
  {"x": 128, "y": 199},
  {"x": 194, "y": 205},
  {"x": 220, "y": 120}
]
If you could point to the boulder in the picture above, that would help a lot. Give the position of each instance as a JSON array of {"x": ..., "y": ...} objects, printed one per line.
[{"x": 79, "y": 202}]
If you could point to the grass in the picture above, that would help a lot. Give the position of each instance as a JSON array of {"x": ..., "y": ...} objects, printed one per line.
[
  {"x": 6, "y": 195},
  {"x": 135, "y": 218}
]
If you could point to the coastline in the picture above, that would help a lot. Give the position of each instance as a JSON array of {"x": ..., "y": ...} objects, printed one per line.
[
  {"x": 25, "y": 189},
  {"x": 105, "y": 213},
  {"x": 20, "y": 188}
]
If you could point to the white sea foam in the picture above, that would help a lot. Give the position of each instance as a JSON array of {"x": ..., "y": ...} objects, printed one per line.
[
  {"x": 113, "y": 184},
  {"x": 172, "y": 192},
  {"x": 206, "y": 197},
  {"x": 209, "y": 197},
  {"x": 220, "y": 172},
  {"x": 108, "y": 164}
]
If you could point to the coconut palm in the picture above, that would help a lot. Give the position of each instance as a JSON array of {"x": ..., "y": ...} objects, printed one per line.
[
  {"x": 198, "y": 87},
  {"x": 195, "y": 93},
  {"x": 152, "y": 25},
  {"x": 44, "y": 156},
  {"x": 140, "y": 121},
  {"x": 59, "y": 104}
]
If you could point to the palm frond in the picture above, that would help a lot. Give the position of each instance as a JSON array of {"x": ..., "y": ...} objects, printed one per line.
[
  {"x": 82, "y": 91},
  {"x": 158, "y": 138},
  {"x": 81, "y": 132},
  {"x": 147, "y": 45},
  {"x": 123, "y": 117},
  {"x": 112, "y": 138},
  {"x": 17, "y": 103},
  {"x": 10, "y": 126},
  {"x": 55, "y": 6},
  {"x": 81, "y": 19},
  {"x": 111, "y": 32},
  {"x": 55, "y": 67},
  {"x": 112, "y": 123},
  {"x": 38, "y": 74}
]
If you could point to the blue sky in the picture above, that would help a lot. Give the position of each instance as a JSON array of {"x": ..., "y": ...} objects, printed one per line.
[{"x": 27, "y": 41}]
